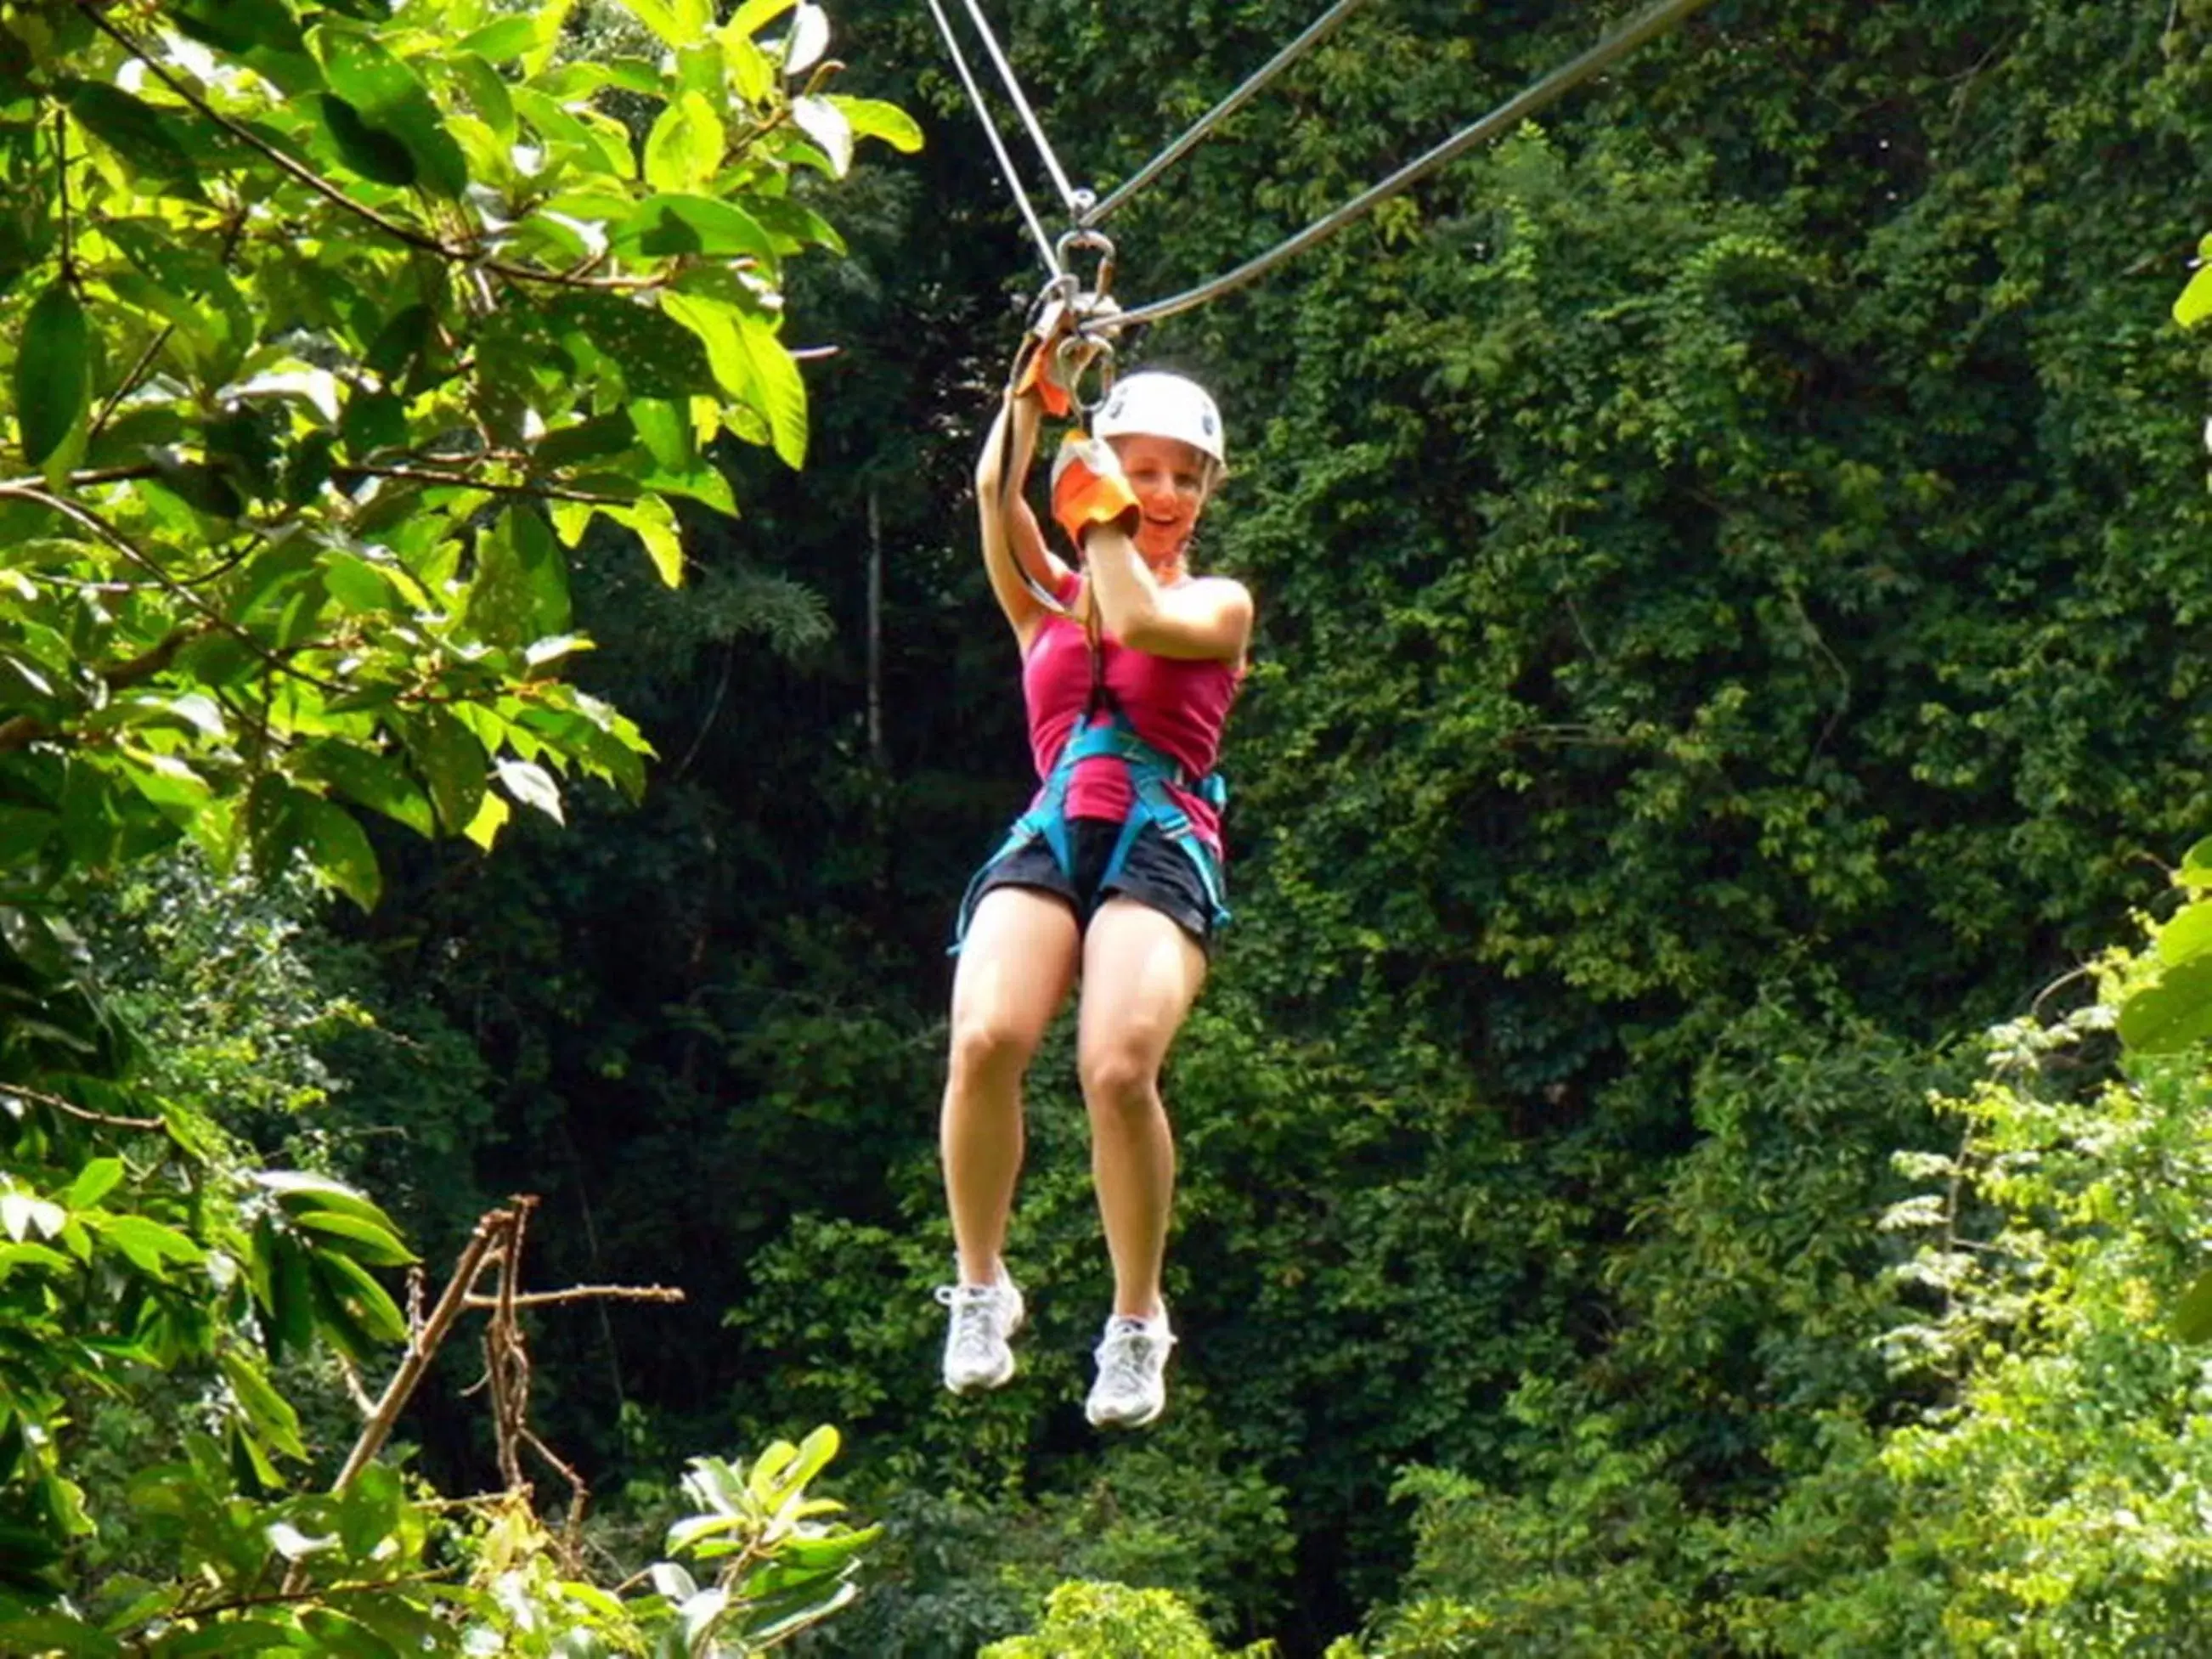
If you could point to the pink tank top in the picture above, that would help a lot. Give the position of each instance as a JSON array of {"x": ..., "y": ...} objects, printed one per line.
[{"x": 1178, "y": 705}]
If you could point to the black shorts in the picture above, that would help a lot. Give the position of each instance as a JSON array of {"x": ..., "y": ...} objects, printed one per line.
[{"x": 1157, "y": 873}]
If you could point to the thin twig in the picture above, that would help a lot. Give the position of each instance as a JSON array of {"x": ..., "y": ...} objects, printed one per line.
[
  {"x": 85, "y": 1113},
  {"x": 577, "y": 1293},
  {"x": 61, "y": 184},
  {"x": 463, "y": 481},
  {"x": 115, "y": 539},
  {"x": 580, "y": 1498},
  {"x": 323, "y": 187},
  {"x": 282, "y": 1597}
]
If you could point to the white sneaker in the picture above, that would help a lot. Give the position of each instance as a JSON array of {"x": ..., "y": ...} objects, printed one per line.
[
  {"x": 984, "y": 1319},
  {"x": 1132, "y": 1387}
]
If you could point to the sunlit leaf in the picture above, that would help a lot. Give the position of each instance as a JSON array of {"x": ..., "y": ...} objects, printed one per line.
[
  {"x": 138, "y": 132},
  {"x": 808, "y": 39},
  {"x": 871, "y": 117},
  {"x": 389, "y": 100},
  {"x": 267, "y": 1412},
  {"x": 532, "y": 786},
  {"x": 368, "y": 1301},
  {"x": 665, "y": 225},
  {"x": 2192, "y": 1313},
  {"x": 2173, "y": 1011},
  {"x": 685, "y": 149}
]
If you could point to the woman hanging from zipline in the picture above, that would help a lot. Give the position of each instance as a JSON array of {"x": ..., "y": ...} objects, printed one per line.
[{"x": 1113, "y": 876}]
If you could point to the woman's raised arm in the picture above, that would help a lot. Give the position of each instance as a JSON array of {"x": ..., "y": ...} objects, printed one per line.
[{"x": 1013, "y": 543}]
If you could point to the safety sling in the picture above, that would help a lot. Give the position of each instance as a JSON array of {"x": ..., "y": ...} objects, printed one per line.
[{"x": 1106, "y": 731}]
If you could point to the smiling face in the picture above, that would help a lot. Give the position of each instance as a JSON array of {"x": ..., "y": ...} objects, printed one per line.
[{"x": 1170, "y": 479}]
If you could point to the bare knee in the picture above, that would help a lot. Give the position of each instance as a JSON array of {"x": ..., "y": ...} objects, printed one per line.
[
  {"x": 988, "y": 1049},
  {"x": 1119, "y": 1080}
]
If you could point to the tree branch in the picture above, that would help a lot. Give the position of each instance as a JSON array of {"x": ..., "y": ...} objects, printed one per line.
[
  {"x": 283, "y": 1597},
  {"x": 463, "y": 481},
  {"x": 579, "y": 1293},
  {"x": 425, "y": 1345},
  {"x": 83, "y": 1113},
  {"x": 123, "y": 545},
  {"x": 307, "y": 175}
]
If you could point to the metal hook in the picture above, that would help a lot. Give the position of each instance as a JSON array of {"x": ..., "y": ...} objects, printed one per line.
[
  {"x": 1080, "y": 353},
  {"x": 1101, "y": 279}
]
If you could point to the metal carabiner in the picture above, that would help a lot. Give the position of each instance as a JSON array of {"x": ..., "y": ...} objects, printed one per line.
[
  {"x": 1096, "y": 354},
  {"x": 1101, "y": 276}
]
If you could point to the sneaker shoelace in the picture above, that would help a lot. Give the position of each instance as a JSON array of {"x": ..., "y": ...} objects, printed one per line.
[
  {"x": 1131, "y": 1352},
  {"x": 977, "y": 1313}
]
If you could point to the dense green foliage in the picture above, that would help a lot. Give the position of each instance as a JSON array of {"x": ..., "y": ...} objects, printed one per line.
[
  {"x": 328, "y": 332},
  {"x": 1731, "y": 568}
]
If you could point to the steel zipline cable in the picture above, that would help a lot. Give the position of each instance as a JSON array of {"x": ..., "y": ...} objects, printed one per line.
[
  {"x": 997, "y": 144},
  {"x": 1569, "y": 76},
  {"x": 1086, "y": 214},
  {"x": 1221, "y": 111},
  {"x": 1074, "y": 202}
]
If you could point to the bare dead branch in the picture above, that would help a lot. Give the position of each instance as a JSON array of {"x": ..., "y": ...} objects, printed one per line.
[{"x": 582, "y": 1293}]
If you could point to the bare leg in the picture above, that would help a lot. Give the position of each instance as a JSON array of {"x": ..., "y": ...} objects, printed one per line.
[
  {"x": 1140, "y": 974},
  {"x": 1015, "y": 970}
]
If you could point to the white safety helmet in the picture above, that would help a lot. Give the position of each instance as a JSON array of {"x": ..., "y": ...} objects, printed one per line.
[{"x": 1158, "y": 405}]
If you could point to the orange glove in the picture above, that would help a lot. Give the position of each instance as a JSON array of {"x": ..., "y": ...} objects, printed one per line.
[
  {"x": 1036, "y": 376},
  {"x": 1088, "y": 489}
]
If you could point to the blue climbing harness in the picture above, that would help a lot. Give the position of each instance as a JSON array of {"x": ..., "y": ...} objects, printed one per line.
[{"x": 1151, "y": 775}]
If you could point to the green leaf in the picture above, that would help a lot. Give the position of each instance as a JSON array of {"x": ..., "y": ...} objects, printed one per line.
[
  {"x": 303, "y": 1189},
  {"x": 684, "y": 149},
  {"x": 373, "y": 421},
  {"x": 219, "y": 1641},
  {"x": 492, "y": 814},
  {"x": 53, "y": 372},
  {"x": 487, "y": 93},
  {"x": 367, "y": 149},
  {"x": 148, "y": 1244},
  {"x": 754, "y": 16},
  {"x": 339, "y": 849},
  {"x": 240, "y": 25},
  {"x": 369, "y": 1510},
  {"x": 266, "y": 1412},
  {"x": 665, "y": 225},
  {"x": 2171, "y": 1012},
  {"x": 47, "y": 1633},
  {"x": 138, "y": 133},
  {"x": 2193, "y": 303},
  {"x": 375, "y": 781},
  {"x": 453, "y": 763},
  {"x": 400, "y": 342},
  {"x": 2193, "y": 1315},
  {"x": 520, "y": 593},
  {"x": 678, "y": 22},
  {"x": 290, "y": 1330},
  {"x": 377, "y": 1246},
  {"x": 588, "y": 439},
  {"x": 366, "y": 1300},
  {"x": 501, "y": 42},
  {"x": 780, "y": 392},
  {"x": 2188, "y": 934},
  {"x": 93, "y": 1182},
  {"x": 871, "y": 117},
  {"x": 390, "y": 99},
  {"x": 654, "y": 521}
]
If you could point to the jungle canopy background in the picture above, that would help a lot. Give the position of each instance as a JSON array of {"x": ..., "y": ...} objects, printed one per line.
[{"x": 1733, "y": 580}]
